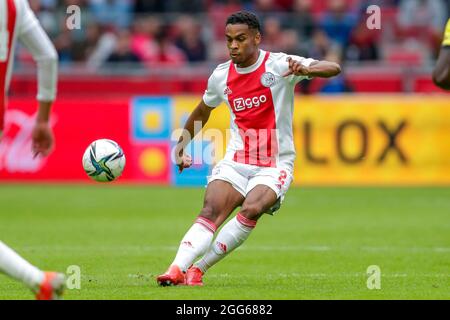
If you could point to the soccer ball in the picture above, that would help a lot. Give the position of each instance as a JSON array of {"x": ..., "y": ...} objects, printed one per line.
[{"x": 104, "y": 160}]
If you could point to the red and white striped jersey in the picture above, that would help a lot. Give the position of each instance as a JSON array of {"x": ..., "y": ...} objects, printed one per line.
[
  {"x": 18, "y": 22},
  {"x": 261, "y": 102}
]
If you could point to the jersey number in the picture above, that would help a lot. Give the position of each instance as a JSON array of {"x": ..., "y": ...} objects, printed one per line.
[{"x": 4, "y": 34}]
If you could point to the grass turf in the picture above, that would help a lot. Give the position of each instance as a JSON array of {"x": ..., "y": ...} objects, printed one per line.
[{"x": 318, "y": 246}]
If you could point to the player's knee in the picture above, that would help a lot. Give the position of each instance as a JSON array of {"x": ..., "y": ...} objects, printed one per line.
[
  {"x": 251, "y": 211},
  {"x": 209, "y": 213}
]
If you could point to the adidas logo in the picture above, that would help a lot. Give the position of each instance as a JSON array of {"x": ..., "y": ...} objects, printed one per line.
[
  {"x": 222, "y": 246},
  {"x": 227, "y": 91},
  {"x": 187, "y": 243}
]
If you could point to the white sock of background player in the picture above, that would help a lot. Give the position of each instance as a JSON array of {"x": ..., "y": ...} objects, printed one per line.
[{"x": 15, "y": 266}]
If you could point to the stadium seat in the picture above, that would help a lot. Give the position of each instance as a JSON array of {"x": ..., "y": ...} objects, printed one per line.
[{"x": 376, "y": 83}]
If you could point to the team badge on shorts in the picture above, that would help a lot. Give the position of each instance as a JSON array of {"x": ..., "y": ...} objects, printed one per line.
[{"x": 268, "y": 79}]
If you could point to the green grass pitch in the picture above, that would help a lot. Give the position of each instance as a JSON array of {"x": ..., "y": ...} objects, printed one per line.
[{"x": 318, "y": 246}]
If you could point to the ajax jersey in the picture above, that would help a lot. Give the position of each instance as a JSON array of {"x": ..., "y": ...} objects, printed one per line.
[
  {"x": 18, "y": 22},
  {"x": 261, "y": 103}
]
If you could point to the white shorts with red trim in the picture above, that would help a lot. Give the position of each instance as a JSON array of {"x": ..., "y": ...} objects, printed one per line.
[{"x": 244, "y": 177}]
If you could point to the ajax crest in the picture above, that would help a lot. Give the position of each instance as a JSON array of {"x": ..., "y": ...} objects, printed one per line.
[{"x": 268, "y": 79}]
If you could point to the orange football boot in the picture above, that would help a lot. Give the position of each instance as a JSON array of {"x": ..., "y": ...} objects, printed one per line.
[
  {"x": 173, "y": 277},
  {"x": 52, "y": 287},
  {"x": 194, "y": 276}
]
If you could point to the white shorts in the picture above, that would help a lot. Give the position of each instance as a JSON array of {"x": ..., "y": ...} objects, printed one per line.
[{"x": 244, "y": 177}]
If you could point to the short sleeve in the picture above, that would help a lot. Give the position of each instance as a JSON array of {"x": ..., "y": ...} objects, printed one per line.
[
  {"x": 27, "y": 19},
  {"x": 284, "y": 65},
  {"x": 212, "y": 97}
]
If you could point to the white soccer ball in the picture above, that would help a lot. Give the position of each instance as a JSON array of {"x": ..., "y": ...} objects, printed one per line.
[{"x": 104, "y": 160}]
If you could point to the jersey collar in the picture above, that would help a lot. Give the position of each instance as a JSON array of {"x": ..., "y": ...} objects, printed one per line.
[{"x": 254, "y": 66}]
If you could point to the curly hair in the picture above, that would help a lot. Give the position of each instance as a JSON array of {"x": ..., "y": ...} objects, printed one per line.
[{"x": 245, "y": 17}]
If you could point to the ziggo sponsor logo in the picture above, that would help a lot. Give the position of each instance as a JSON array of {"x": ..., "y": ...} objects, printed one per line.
[{"x": 240, "y": 104}]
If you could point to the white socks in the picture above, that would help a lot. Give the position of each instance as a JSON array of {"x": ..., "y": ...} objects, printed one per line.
[
  {"x": 195, "y": 243},
  {"x": 232, "y": 235},
  {"x": 15, "y": 266}
]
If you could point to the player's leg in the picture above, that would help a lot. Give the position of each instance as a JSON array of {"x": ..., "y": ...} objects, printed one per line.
[
  {"x": 16, "y": 267},
  {"x": 221, "y": 199},
  {"x": 259, "y": 200},
  {"x": 265, "y": 192},
  {"x": 46, "y": 285}
]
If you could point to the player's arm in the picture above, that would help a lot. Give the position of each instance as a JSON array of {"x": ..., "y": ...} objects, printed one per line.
[
  {"x": 322, "y": 69},
  {"x": 194, "y": 125},
  {"x": 44, "y": 53},
  {"x": 441, "y": 72}
]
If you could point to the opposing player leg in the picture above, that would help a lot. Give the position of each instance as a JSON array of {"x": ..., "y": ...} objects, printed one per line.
[
  {"x": 46, "y": 285},
  {"x": 221, "y": 199}
]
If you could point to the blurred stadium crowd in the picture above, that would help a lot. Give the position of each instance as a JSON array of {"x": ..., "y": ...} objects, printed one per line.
[
  {"x": 133, "y": 36},
  {"x": 178, "y": 32}
]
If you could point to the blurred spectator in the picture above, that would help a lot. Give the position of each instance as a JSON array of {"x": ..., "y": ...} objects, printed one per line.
[
  {"x": 289, "y": 43},
  {"x": 149, "y": 6},
  {"x": 285, "y": 5},
  {"x": 271, "y": 34},
  {"x": 143, "y": 39},
  {"x": 363, "y": 43},
  {"x": 338, "y": 84},
  {"x": 423, "y": 20},
  {"x": 219, "y": 12},
  {"x": 167, "y": 32},
  {"x": 320, "y": 45},
  {"x": 84, "y": 48},
  {"x": 63, "y": 45},
  {"x": 105, "y": 46},
  {"x": 429, "y": 15},
  {"x": 189, "y": 39},
  {"x": 167, "y": 53},
  {"x": 122, "y": 52},
  {"x": 161, "y": 6},
  {"x": 152, "y": 44},
  {"x": 190, "y": 6},
  {"x": 115, "y": 13},
  {"x": 45, "y": 12},
  {"x": 302, "y": 20},
  {"x": 338, "y": 22},
  {"x": 266, "y": 9}
]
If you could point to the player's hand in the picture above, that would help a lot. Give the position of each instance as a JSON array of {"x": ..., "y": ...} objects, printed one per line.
[
  {"x": 296, "y": 68},
  {"x": 183, "y": 162},
  {"x": 42, "y": 139}
]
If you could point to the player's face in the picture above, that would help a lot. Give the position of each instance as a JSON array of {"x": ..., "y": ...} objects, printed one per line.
[{"x": 242, "y": 44}]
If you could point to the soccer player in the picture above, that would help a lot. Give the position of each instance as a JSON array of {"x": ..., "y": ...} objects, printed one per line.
[
  {"x": 258, "y": 88},
  {"x": 17, "y": 22},
  {"x": 441, "y": 73}
]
